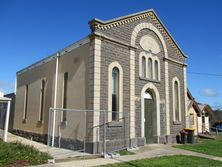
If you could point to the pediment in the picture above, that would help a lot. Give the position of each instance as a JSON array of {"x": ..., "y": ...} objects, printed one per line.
[{"x": 97, "y": 24}]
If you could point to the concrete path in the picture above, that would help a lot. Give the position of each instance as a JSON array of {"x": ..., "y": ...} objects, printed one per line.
[
  {"x": 57, "y": 153},
  {"x": 148, "y": 151}
]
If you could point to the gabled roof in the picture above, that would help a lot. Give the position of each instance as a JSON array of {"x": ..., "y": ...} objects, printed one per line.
[
  {"x": 204, "y": 107},
  {"x": 103, "y": 25},
  {"x": 192, "y": 103},
  {"x": 208, "y": 109},
  {"x": 4, "y": 99}
]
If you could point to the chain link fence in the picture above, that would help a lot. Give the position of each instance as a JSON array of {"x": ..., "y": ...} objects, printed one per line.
[{"x": 78, "y": 130}]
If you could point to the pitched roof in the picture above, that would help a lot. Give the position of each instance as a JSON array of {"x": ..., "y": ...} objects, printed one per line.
[
  {"x": 206, "y": 108},
  {"x": 192, "y": 103},
  {"x": 103, "y": 25}
]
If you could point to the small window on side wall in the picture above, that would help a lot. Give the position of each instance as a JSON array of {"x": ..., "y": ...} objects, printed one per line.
[
  {"x": 42, "y": 95},
  {"x": 65, "y": 89},
  {"x": 26, "y": 103}
]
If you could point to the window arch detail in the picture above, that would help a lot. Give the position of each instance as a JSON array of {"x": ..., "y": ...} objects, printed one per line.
[
  {"x": 149, "y": 66},
  {"x": 143, "y": 66},
  {"x": 115, "y": 91},
  {"x": 176, "y": 99}
]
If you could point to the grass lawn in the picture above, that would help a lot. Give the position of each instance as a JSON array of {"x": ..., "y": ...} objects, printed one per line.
[
  {"x": 16, "y": 154},
  {"x": 205, "y": 146},
  {"x": 170, "y": 161}
]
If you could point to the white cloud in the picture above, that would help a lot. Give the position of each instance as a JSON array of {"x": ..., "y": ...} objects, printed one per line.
[{"x": 209, "y": 92}]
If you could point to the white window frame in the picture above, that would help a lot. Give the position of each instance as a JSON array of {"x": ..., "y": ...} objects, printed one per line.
[
  {"x": 153, "y": 58},
  {"x": 175, "y": 79},
  {"x": 159, "y": 70},
  {"x": 120, "y": 102}
]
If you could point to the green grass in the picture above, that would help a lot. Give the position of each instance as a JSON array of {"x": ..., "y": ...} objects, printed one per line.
[
  {"x": 125, "y": 152},
  {"x": 16, "y": 153},
  {"x": 170, "y": 161},
  {"x": 205, "y": 146}
]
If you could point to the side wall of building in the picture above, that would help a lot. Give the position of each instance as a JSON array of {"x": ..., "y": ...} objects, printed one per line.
[{"x": 75, "y": 63}]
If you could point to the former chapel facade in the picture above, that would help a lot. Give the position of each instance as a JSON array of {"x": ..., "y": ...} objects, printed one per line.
[{"x": 128, "y": 64}]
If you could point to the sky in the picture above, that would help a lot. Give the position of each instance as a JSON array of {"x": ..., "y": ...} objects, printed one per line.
[{"x": 33, "y": 29}]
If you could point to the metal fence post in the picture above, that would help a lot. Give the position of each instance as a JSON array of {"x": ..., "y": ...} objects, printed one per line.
[
  {"x": 124, "y": 125},
  {"x": 7, "y": 122},
  {"x": 49, "y": 128},
  {"x": 53, "y": 127},
  {"x": 84, "y": 144},
  {"x": 104, "y": 132}
]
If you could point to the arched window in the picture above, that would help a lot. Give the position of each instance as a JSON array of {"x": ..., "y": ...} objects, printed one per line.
[
  {"x": 143, "y": 67},
  {"x": 115, "y": 93},
  {"x": 176, "y": 99},
  {"x": 156, "y": 72},
  {"x": 150, "y": 68}
]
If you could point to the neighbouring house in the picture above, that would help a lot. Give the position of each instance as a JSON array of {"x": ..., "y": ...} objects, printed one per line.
[
  {"x": 128, "y": 64},
  {"x": 206, "y": 121},
  {"x": 193, "y": 112},
  {"x": 3, "y": 107},
  {"x": 4, "y": 99},
  {"x": 11, "y": 96}
]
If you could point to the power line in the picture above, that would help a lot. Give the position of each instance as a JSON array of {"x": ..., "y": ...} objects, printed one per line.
[{"x": 205, "y": 74}]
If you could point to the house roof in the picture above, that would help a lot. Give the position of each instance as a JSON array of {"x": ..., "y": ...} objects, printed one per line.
[
  {"x": 206, "y": 108},
  {"x": 103, "y": 25},
  {"x": 4, "y": 99},
  {"x": 192, "y": 103}
]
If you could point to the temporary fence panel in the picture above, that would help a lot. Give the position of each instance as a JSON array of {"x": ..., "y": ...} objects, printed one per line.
[{"x": 68, "y": 128}]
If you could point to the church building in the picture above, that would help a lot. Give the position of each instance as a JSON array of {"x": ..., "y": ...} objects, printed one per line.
[{"x": 129, "y": 64}]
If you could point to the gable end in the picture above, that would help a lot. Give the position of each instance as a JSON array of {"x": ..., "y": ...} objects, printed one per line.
[{"x": 97, "y": 24}]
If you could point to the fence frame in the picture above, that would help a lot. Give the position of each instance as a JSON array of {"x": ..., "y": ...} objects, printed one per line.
[{"x": 52, "y": 124}]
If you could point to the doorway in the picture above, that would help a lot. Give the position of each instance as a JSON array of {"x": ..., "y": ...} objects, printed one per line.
[{"x": 150, "y": 116}]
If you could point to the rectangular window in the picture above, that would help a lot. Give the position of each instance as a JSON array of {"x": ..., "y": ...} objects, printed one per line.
[
  {"x": 65, "y": 88},
  {"x": 42, "y": 94},
  {"x": 203, "y": 118},
  {"x": 26, "y": 102},
  {"x": 191, "y": 120}
]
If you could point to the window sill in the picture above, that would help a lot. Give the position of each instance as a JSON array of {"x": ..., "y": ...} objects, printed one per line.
[
  {"x": 24, "y": 121},
  {"x": 39, "y": 123},
  {"x": 177, "y": 123},
  {"x": 63, "y": 124},
  {"x": 115, "y": 124},
  {"x": 151, "y": 80}
]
